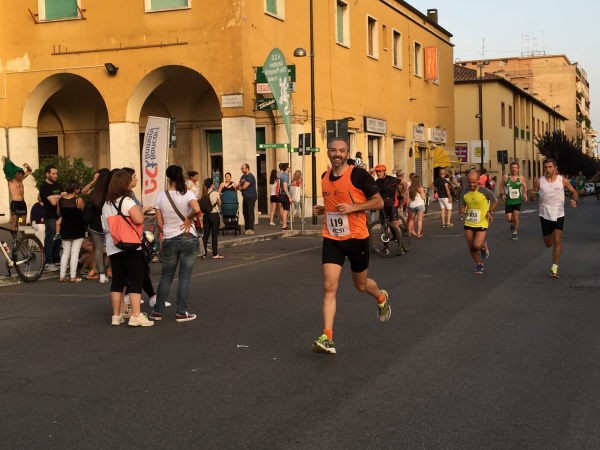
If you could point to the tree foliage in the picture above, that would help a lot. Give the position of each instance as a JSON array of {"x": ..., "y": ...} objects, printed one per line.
[
  {"x": 569, "y": 158},
  {"x": 68, "y": 169}
]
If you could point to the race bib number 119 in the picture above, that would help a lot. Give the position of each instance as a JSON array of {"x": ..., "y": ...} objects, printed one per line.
[{"x": 337, "y": 224}]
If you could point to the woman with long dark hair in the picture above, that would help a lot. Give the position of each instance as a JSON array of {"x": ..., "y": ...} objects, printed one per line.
[
  {"x": 210, "y": 219},
  {"x": 416, "y": 205},
  {"x": 72, "y": 226},
  {"x": 95, "y": 226},
  {"x": 175, "y": 211},
  {"x": 127, "y": 266},
  {"x": 273, "y": 194}
]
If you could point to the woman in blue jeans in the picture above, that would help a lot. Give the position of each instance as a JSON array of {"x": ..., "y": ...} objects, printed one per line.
[{"x": 176, "y": 209}]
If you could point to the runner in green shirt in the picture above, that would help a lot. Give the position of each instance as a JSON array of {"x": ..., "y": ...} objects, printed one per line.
[{"x": 514, "y": 193}]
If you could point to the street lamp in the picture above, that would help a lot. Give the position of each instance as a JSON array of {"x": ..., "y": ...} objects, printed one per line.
[
  {"x": 300, "y": 52},
  {"x": 480, "y": 114}
]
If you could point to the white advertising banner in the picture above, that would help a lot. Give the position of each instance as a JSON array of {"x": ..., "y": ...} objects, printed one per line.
[
  {"x": 475, "y": 152},
  {"x": 154, "y": 158}
]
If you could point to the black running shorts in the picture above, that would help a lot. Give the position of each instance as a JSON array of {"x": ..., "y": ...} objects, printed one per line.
[
  {"x": 548, "y": 226},
  {"x": 356, "y": 250}
]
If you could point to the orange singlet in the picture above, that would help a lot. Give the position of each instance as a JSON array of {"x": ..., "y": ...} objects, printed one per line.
[{"x": 337, "y": 225}]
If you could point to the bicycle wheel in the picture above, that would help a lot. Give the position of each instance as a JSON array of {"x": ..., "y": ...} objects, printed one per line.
[
  {"x": 404, "y": 237},
  {"x": 382, "y": 240},
  {"x": 28, "y": 257}
]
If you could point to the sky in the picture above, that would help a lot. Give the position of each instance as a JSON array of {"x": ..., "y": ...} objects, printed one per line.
[{"x": 493, "y": 29}]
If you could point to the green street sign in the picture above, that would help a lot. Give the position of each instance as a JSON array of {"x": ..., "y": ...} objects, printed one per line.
[
  {"x": 261, "y": 78},
  {"x": 273, "y": 146},
  {"x": 308, "y": 150},
  {"x": 265, "y": 104}
]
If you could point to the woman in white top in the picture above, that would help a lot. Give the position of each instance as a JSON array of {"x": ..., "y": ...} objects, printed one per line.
[
  {"x": 416, "y": 205},
  {"x": 175, "y": 212},
  {"x": 192, "y": 183},
  {"x": 273, "y": 197},
  {"x": 210, "y": 217},
  {"x": 128, "y": 267}
]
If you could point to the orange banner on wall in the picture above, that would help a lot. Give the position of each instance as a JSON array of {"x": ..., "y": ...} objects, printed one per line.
[{"x": 431, "y": 63}]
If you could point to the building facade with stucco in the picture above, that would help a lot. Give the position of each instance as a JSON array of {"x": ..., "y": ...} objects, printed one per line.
[{"x": 80, "y": 78}]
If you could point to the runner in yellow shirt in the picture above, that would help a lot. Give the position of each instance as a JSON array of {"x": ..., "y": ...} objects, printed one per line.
[{"x": 477, "y": 203}]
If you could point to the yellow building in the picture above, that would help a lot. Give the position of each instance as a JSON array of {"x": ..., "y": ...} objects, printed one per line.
[
  {"x": 79, "y": 78},
  {"x": 493, "y": 111},
  {"x": 557, "y": 82}
]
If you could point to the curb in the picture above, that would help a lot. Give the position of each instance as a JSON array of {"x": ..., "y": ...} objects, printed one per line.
[{"x": 243, "y": 240}]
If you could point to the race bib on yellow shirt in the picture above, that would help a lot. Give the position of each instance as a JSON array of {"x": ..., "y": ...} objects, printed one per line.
[
  {"x": 337, "y": 224},
  {"x": 473, "y": 216}
]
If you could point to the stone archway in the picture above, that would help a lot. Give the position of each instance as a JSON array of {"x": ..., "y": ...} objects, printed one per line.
[
  {"x": 180, "y": 93},
  {"x": 70, "y": 117}
]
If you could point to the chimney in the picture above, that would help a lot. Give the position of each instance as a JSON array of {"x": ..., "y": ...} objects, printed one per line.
[{"x": 432, "y": 15}]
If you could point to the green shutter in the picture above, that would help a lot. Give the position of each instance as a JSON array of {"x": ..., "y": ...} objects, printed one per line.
[
  {"x": 215, "y": 142},
  {"x": 61, "y": 9},
  {"x": 260, "y": 137},
  {"x": 272, "y": 6},
  {"x": 340, "y": 23},
  {"x": 168, "y": 4}
]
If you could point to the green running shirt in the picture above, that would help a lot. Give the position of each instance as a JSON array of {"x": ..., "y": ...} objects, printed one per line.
[{"x": 512, "y": 190}]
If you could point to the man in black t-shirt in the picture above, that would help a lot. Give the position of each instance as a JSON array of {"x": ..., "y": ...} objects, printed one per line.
[
  {"x": 50, "y": 193},
  {"x": 444, "y": 191},
  {"x": 388, "y": 189}
]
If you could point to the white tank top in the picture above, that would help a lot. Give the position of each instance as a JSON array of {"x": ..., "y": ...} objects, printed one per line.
[
  {"x": 552, "y": 198},
  {"x": 418, "y": 201}
]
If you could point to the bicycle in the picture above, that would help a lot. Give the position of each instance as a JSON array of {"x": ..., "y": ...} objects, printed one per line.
[
  {"x": 386, "y": 239},
  {"x": 25, "y": 255}
]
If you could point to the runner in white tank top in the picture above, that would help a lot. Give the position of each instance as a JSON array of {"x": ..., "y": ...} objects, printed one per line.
[{"x": 552, "y": 209}]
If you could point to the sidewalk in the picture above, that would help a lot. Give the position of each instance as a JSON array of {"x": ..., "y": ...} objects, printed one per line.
[
  {"x": 262, "y": 232},
  {"x": 265, "y": 232}
]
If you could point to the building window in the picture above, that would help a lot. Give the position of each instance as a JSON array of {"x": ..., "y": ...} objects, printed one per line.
[
  {"x": 502, "y": 114},
  {"x": 510, "y": 116},
  {"x": 397, "y": 49},
  {"x": 418, "y": 55},
  {"x": 275, "y": 8},
  {"x": 58, "y": 9},
  {"x": 161, "y": 5},
  {"x": 342, "y": 18},
  {"x": 372, "y": 38}
]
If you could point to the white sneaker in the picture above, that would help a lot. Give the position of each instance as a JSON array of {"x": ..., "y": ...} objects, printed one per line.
[
  {"x": 152, "y": 302},
  {"x": 117, "y": 320},
  {"x": 140, "y": 321},
  {"x": 103, "y": 278}
]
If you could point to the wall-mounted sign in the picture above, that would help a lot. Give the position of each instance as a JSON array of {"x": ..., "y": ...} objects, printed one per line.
[
  {"x": 373, "y": 125},
  {"x": 475, "y": 153},
  {"x": 437, "y": 135},
  {"x": 261, "y": 78},
  {"x": 266, "y": 104},
  {"x": 419, "y": 133},
  {"x": 462, "y": 151},
  {"x": 232, "y": 101}
]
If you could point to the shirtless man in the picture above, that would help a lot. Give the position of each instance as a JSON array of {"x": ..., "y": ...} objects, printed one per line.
[
  {"x": 514, "y": 193},
  {"x": 15, "y": 176}
]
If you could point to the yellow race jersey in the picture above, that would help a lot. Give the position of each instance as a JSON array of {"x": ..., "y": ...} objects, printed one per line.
[{"x": 477, "y": 204}]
